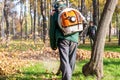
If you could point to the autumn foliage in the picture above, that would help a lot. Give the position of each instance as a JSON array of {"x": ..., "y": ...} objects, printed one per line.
[{"x": 11, "y": 62}]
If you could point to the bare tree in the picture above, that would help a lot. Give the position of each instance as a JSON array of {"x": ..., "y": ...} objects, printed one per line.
[
  {"x": 117, "y": 24},
  {"x": 67, "y": 3},
  {"x": 2, "y": 23},
  {"x": 7, "y": 15},
  {"x": 25, "y": 13},
  {"x": 95, "y": 65},
  {"x": 31, "y": 17},
  {"x": 6, "y": 11},
  {"x": 110, "y": 26},
  {"x": 83, "y": 11},
  {"x": 95, "y": 12},
  {"x": 13, "y": 23},
  {"x": 119, "y": 38},
  {"x": 43, "y": 12},
  {"x": 35, "y": 6},
  {"x": 21, "y": 18}
]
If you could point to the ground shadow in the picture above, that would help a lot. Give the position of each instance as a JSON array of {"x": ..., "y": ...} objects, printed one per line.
[{"x": 77, "y": 74}]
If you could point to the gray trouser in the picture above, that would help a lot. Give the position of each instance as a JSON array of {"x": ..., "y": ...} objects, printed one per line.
[
  {"x": 67, "y": 51},
  {"x": 92, "y": 39}
]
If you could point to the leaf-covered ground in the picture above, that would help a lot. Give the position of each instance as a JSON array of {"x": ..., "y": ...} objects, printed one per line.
[{"x": 11, "y": 62}]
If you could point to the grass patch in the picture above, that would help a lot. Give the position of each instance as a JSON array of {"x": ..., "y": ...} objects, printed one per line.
[
  {"x": 38, "y": 72},
  {"x": 109, "y": 46},
  {"x": 112, "y": 47},
  {"x": 24, "y": 45},
  {"x": 33, "y": 72},
  {"x": 84, "y": 46},
  {"x": 111, "y": 70},
  {"x": 21, "y": 45}
]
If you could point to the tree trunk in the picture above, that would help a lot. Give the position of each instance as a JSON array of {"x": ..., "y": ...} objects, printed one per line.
[
  {"x": 79, "y": 5},
  {"x": 95, "y": 12},
  {"x": 95, "y": 65},
  {"x": 26, "y": 34},
  {"x": 119, "y": 38},
  {"x": 6, "y": 9},
  {"x": 109, "y": 40},
  {"x": 13, "y": 24},
  {"x": 2, "y": 30},
  {"x": 83, "y": 11},
  {"x": 83, "y": 7},
  {"x": 67, "y": 3},
  {"x": 34, "y": 33},
  {"x": 117, "y": 28},
  {"x": 98, "y": 4},
  {"x": 2, "y": 25},
  {"x": 31, "y": 18},
  {"x": 43, "y": 12},
  {"x": 21, "y": 20}
]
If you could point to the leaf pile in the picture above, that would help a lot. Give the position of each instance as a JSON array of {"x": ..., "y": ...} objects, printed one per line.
[
  {"x": 112, "y": 55},
  {"x": 11, "y": 62},
  {"x": 81, "y": 54}
]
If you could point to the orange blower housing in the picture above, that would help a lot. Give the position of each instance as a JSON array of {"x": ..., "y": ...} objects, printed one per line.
[
  {"x": 66, "y": 18},
  {"x": 70, "y": 21}
]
